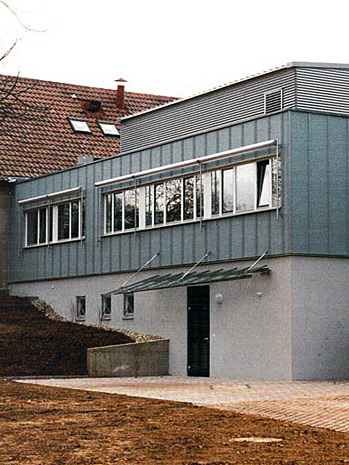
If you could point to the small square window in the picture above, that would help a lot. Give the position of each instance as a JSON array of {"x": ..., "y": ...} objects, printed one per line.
[
  {"x": 129, "y": 306},
  {"x": 80, "y": 307},
  {"x": 108, "y": 129},
  {"x": 106, "y": 307},
  {"x": 79, "y": 125}
]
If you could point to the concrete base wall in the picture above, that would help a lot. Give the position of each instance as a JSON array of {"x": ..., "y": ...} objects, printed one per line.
[
  {"x": 134, "y": 360},
  {"x": 320, "y": 318},
  {"x": 290, "y": 325}
]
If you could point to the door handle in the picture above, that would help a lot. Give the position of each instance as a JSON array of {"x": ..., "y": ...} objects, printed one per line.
[{"x": 206, "y": 339}]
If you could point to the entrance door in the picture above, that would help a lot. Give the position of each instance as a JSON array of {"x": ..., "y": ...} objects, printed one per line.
[{"x": 199, "y": 331}]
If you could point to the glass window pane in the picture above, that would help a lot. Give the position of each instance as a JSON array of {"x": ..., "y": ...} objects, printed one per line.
[
  {"x": 188, "y": 195},
  {"x": 149, "y": 194},
  {"x": 83, "y": 220},
  {"x": 50, "y": 232},
  {"x": 63, "y": 221},
  {"x": 128, "y": 305},
  {"x": 199, "y": 197},
  {"x": 228, "y": 190},
  {"x": 131, "y": 209},
  {"x": 159, "y": 203},
  {"x": 118, "y": 211},
  {"x": 32, "y": 227},
  {"x": 42, "y": 225},
  {"x": 173, "y": 200},
  {"x": 215, "y": 192},
  {"x": 245, "y": 187},
  {"x": 263, "y": 183},
  {"x": 75, "y": 219},
  {"x": 108, "y": 213},
  {"x": 276, "y": 182},
  {"x": 106, "y": 306},
  {"x": 81, "y": 307}
]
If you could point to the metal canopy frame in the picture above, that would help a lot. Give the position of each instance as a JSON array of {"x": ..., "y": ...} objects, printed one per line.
[{"x": 191, "y": 279}]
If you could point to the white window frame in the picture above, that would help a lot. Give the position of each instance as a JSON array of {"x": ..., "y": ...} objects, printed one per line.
[
  {"x": 52, "y": 209},
  {"x": 38, "y": 243},
  {"x": 207, "y": 198},
  {"x": 79, "y": 300},
  {"x": 104, "y": 124},
  {"x": 128, "y": 315},
  {"x": 87, "y": 130},
  {"x": 104, "y": 315},
  {"x": 55, "y": 222}
]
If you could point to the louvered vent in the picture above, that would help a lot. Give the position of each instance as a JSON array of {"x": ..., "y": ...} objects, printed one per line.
[{"x": 273, "y": 101}]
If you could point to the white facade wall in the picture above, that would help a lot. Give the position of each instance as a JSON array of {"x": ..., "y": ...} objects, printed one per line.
[{"x": 292, "y": 324}]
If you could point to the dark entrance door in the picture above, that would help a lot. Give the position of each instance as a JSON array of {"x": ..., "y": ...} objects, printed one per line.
[{"x": 199, "y": 331}]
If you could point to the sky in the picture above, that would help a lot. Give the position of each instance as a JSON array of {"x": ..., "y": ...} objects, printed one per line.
[{"x": 177, "y": 48}]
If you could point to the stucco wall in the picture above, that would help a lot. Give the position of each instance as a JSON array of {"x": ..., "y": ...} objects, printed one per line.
[
  {"x": 292, "y": 324},
  {"x": 320, "y": 301},
  {"x": 250, "y": 334}
]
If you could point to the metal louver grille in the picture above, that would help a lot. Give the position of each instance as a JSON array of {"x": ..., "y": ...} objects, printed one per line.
[{"x": 273, "y": 101}]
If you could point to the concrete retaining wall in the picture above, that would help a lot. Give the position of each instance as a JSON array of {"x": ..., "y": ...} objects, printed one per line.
[{"x": 136, "y": 359}]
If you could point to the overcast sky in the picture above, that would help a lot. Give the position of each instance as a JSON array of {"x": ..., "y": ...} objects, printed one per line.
[{"x": 174, "y": 48}]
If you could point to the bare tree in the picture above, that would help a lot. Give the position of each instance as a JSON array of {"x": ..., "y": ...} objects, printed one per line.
[{"x": 12, "y": 92}]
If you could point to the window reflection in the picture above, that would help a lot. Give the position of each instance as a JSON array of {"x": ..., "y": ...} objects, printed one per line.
[
  {"x": 149, "y": 196},
  {"x": 228, "y": 190},
  {"x": 263, "y": 183},
  {"x": 215, "y": 192},
  {"x": 199, "y": 197},
  {"x": 188, "y": 196},
  {"x": 245, "y": 187},
  {"x": 118, "y": 211},
  {"x": 131, "y": 210},
  {"x": 173, "y": 200},
  {"x": 159, "y": 203}
]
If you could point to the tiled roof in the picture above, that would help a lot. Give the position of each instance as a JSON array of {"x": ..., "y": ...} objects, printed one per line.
[{"x": 38, "y": 138}]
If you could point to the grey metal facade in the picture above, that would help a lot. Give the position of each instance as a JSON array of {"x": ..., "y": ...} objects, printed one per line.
[
  {"x": 227, "y": 238},
  {"x": 314, "y": 215}
]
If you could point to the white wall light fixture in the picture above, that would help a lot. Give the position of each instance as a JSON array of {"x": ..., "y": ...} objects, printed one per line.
[{"x": 218, "y": 298}]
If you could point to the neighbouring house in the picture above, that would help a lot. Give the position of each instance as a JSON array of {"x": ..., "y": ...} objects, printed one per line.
[
  {"x": 222, "y": 225},
  {"x": 49, "y": 126}
]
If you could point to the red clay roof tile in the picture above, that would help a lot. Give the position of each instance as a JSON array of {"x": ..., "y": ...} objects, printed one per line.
[{"x": 42, "y": 141}]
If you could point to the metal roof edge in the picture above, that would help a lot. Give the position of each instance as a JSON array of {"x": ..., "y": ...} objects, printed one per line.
[
  {"x": 291, "y": 64},
  {"x": 309, "y": 64}
]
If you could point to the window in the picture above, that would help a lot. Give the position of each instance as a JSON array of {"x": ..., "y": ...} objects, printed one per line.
[
  {"x": 106, "y": 307},
  {"x": 129, "y": 306},
  {"x": 121, "y": 211},
  {"x": 79, "y": 125},
  {"x": 60, "y": 222},
  {"x": 235, "y": 189},
  {"x": 36, "y": 227},
  {"x": 80, "y": 307},
  {"x": 108, "y": 129},
  {"x": 67, "y": 221}
]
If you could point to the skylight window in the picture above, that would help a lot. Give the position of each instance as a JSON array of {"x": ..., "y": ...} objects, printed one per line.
[
  {"x": 108, "y": 129},
  {"x": 79, "y": 125}
]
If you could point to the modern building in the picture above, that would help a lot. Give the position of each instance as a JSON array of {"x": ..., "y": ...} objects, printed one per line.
[
  {"x": 222, "y": 225},
  {"x": 49, "y": 126}
]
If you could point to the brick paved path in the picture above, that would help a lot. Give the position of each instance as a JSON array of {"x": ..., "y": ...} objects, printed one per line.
[{"x": 324, "y": 404}]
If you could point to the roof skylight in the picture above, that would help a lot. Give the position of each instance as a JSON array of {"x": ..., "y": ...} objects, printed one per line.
[
  {"x": 108, "y": 129},
  {"x": 79, "y": 125}
]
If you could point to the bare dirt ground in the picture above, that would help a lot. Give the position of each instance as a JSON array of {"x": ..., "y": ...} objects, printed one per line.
[{"x": 51, "y": 426}]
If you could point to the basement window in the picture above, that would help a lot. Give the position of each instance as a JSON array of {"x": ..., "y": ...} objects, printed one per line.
[
  {"x": 129, "y": 306},
  {"x": 79, "y": 125},
  {"x": 108, "y": 129},
  {"x": 106, "y": 307},
  {"x": 80, "y": 307}
]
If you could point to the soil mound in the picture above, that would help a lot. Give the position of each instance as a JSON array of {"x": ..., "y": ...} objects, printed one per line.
[{"x": 32, "y": 344}]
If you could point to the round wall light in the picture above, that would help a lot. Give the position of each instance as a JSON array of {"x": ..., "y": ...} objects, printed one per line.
[{"x": 218, "y": 298}]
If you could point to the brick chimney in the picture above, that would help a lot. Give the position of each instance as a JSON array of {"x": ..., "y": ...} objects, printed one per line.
[{"x": 120, "y": 94}]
